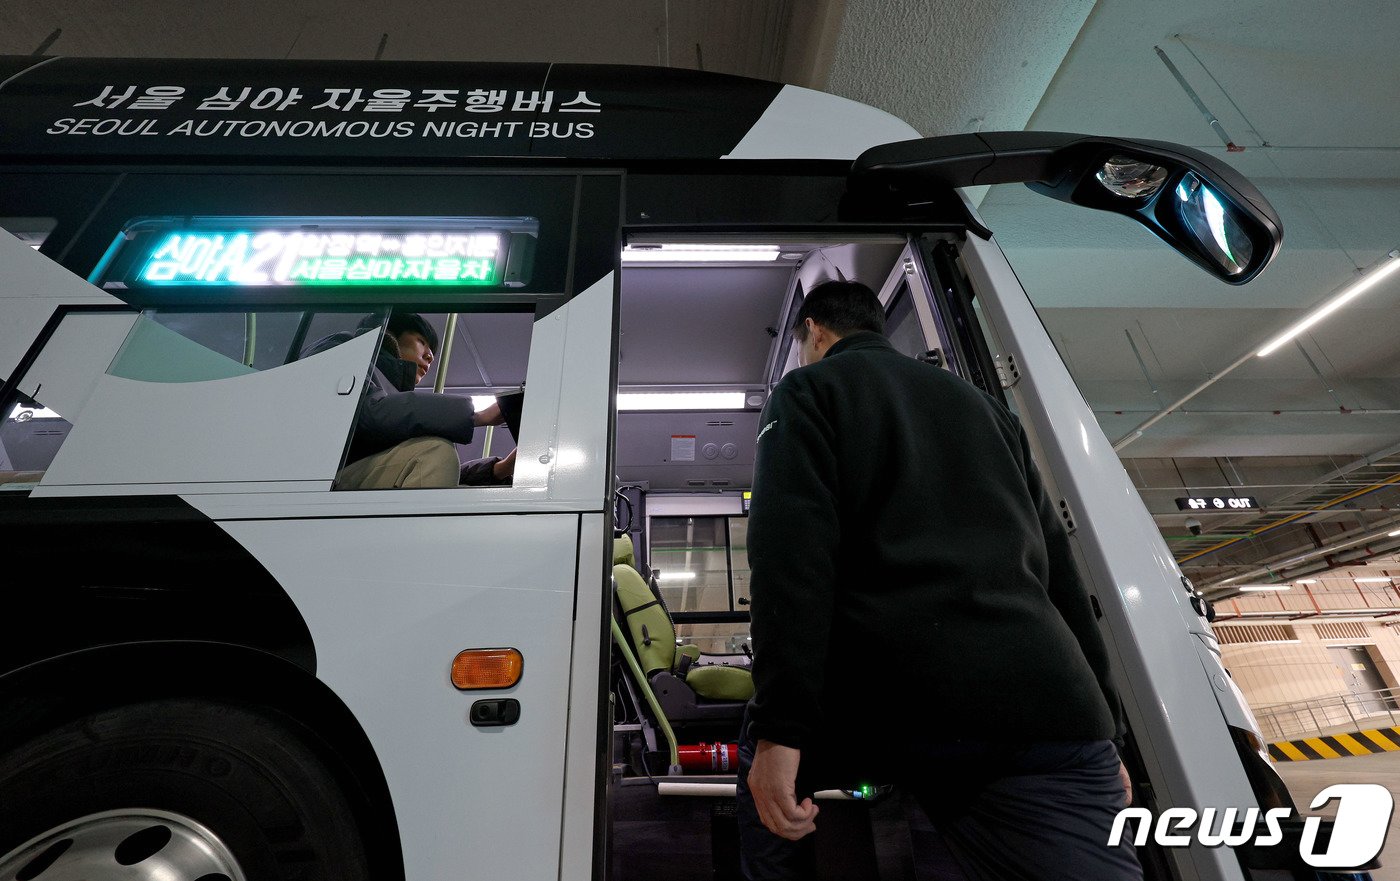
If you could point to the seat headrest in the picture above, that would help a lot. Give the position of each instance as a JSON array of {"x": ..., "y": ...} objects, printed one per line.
[{"x": 622, "y": 551}]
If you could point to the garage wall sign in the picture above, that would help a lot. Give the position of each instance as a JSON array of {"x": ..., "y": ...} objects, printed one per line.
[{"x": 1218, "y": 503}]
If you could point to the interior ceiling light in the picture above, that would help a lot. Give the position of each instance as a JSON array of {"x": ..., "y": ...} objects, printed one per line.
[
  {"x": 1372, "y": 580},
  {"x": 680, "y": 400},
  {"x": 1306, "y": 581},
  {"x": 1264, "y": 586},
  {"x": 1388, "y": 265},
  {"x": 1393, "y": 534},
  {"x": 676, "y": 576},
  {"x": 698, "y": 253}
]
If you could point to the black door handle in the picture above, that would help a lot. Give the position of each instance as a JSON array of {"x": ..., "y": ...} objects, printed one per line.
[{"x": 494, "y": 713}]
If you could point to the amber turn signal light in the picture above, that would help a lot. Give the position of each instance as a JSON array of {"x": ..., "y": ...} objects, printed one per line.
[{"x": 487, "y": 668}]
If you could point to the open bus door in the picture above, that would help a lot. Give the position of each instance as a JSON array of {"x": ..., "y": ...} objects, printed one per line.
[
  {"x": 1213, "y": 217},
  {"x": 952, "y": 300}
]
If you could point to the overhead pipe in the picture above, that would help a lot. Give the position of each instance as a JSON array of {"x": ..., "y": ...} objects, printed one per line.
[
  {"x": 1328, "y": 553},
  {"x": 1340, "y": 411},
  {"x": 1141, "y": 427},
  {"x": 1365, "y": 614},
  {"x": 1291, "y": 518},
  {"x": 1211, "y": 120}
]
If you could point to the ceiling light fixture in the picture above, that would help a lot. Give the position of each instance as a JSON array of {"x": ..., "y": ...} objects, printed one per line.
[
  {"x": 1306, "y": 581},
  {"x": 700, "y": 253},
  {"x": 1372, "y": 580},
  {"x": 1393, "y": 534},
  {"x": 1388, "y": 265},
  {"x": 681, "y": 400},
  {"x": 1264, "y": 586},
  {"x": 677, "y": 576}
]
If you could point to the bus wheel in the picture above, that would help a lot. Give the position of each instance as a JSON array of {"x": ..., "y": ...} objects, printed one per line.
[{"x": 183, "y": 790}]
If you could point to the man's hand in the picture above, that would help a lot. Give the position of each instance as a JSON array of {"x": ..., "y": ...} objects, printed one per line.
[
  {"x": 489, "y": 416},
  {"x": 1127, "y": 784},
  {"x": 504, "y": 468},
  {"x": 773, "y": 782}
]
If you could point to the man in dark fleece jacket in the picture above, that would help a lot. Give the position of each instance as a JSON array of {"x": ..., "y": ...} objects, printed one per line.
[
  {"x": 404, "y": 438},
  {"x": 918, "y": 618}
]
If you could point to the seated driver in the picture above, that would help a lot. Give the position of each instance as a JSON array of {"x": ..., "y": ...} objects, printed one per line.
[{"x": 404, "y": 438}]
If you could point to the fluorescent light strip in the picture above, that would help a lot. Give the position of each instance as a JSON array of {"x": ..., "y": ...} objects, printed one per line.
[
  {"x": 1393, "y": 534},
  {"x": 700, "y": 254},
  {"x": 680, "y": 400},
  {"x": 1373, "y": 580},
  {"x": 1264, "y": 586},
  {"x": 1306, "y": 581},
  {"x": 1346, "y": 296},
  {"x": 677, "y": 576}
]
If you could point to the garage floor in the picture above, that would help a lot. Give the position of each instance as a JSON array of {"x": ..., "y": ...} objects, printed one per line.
[{"x": 1307, "y": 779}]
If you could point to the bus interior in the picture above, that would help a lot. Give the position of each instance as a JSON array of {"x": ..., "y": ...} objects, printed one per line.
[{"x": 705, "y": 334}]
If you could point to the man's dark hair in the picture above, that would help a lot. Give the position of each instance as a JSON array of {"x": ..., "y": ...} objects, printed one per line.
[
  {"x": 400, "y": 322},
  {"x": 843, "y": 307}
]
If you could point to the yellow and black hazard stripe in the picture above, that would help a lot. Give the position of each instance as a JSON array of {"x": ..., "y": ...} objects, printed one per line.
[{"x": 1335, "y": 746}]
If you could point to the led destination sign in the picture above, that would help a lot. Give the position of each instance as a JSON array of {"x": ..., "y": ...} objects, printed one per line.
[
  {"x": 341, "y": 256},
  {"x": 1218, "y": 503}
]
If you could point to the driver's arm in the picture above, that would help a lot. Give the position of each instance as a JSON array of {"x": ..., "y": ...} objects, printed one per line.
[{"x": 489, "y": 416}]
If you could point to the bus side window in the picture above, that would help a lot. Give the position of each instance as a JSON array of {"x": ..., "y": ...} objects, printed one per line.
[
  {"x": 405, "y": 437},
  {"x": 701, "y": 564},
  {"x": 201, "y": 346},
  {"x": 54, "y": 390},
  {"x": 902, "y": 324}
]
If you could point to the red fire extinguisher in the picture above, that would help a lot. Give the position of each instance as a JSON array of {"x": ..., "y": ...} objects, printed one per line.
[{"x": 709, "y": 758}]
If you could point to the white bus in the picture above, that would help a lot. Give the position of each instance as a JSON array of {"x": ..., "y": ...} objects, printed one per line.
[{"x": 219, "y": 665}]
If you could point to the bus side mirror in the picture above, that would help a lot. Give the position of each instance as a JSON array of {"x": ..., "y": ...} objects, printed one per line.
[
  {"x": 1202, "y": 207},
  {"x": 1196, "y": 203}
]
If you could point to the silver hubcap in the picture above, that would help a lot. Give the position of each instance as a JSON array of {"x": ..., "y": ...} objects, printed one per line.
[{"x": 138, "y": 844}]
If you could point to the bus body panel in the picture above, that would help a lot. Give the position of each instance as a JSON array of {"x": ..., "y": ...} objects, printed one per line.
[
  {"x": 390, "y": 603},
  {"x": 806, "y": 124},
  {"x": 1169, "y": 700},
  {"x": 216, "y": 431},
  {"x": 564, "y": 438}
]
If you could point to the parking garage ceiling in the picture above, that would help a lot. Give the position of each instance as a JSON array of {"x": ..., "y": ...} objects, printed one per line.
[{"x": 1304, "y": 88}]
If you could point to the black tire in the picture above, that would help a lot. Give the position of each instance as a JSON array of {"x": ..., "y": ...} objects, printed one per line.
[{"x": 249, "y": 777}]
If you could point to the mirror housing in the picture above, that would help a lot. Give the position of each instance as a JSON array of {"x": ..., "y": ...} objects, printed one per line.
[{"x": 1201, "y": 206}]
